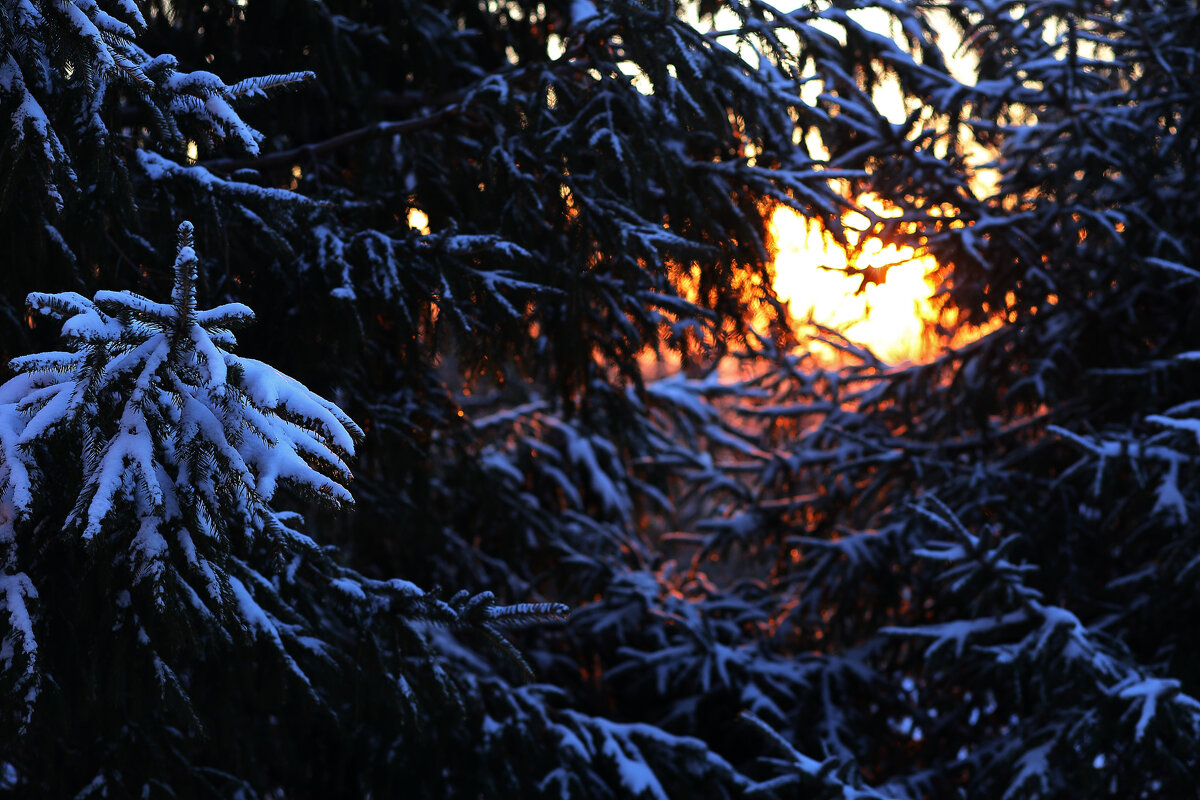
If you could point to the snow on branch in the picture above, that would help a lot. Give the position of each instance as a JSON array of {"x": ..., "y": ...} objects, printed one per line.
[{"x": 157, "y": 387}]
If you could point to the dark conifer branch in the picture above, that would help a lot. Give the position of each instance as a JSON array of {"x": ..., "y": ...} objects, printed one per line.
[{"x": 307, "y": 152}]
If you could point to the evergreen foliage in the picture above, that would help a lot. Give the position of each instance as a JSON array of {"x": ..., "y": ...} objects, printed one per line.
[{"x": 577, "y": 389}]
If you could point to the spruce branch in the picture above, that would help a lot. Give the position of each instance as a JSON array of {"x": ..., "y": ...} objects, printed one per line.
[{"x": 342, "y": 140}]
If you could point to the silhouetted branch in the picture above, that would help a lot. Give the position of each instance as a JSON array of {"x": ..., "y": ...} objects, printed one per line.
[{"x": 346, "y": 139}]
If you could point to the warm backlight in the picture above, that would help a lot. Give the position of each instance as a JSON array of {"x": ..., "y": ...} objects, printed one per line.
[
  {"x": 889, "y": 317},
  {"x": 418, "y": 220}
]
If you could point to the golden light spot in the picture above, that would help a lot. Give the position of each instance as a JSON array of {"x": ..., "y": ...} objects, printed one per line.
[
  {"x": 881, "y": 298},
  {"x": 418, "y": 220}
]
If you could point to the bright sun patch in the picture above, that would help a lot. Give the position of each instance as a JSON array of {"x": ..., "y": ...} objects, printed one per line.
[{"x": 811, "y": 274}]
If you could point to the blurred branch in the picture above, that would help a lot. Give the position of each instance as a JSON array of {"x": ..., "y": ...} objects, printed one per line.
[
  {"x": 295, "y": 154},
  {"x": 454, "y": 105}
]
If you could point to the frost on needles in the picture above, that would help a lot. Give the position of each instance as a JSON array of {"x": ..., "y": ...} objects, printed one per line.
[
  {"x": 169, "y": 451},
  {"x": 180, "y": 447}
]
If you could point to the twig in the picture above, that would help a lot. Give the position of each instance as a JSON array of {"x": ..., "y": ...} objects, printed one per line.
[{"x": 346, "y": 139}]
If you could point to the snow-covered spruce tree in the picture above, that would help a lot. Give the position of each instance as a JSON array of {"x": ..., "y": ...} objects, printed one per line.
[
  {"x": 94, "y": 118},
  {"x": 163, "y": 616}
]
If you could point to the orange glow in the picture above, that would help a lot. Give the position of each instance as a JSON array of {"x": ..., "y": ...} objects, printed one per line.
[
  {"x": 418, "y": 220},
  {"x": 889, "y": 317}
]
